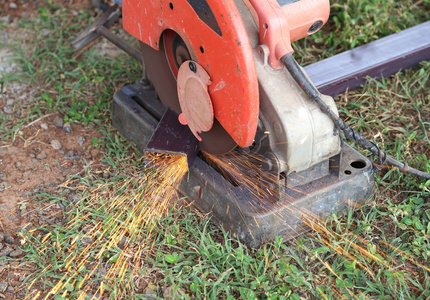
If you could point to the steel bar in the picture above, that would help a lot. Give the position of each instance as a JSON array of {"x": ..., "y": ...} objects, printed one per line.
[
  {"x": 383, "y": 57},
  {"x": 172, "y": 138},
  {"x": 90, "y": 34},
  {"x": 120, "y": 43}
]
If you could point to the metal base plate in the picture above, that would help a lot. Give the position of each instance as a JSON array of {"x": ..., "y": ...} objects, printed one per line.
[{"x": 240, "y": 210}]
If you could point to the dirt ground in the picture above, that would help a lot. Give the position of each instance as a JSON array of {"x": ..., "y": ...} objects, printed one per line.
[{"x": 42, "y": 157}]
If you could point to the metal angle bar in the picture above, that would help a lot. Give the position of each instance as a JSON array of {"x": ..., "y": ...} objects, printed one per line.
[
  {"x": 120, "y": 43},
  {"x": 383, "y": 57},
  {"x": 171, "y": 138},
  {"x": 90, "y": 34},
  {"x": 101, "y": 28}
]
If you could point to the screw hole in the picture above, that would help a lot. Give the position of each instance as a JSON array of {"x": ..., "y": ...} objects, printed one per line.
[
  {"x": 358, "y": 164},
  {"x": 348, "y": 172},
  {"x": 192, "y": 66},
  {"x": 171, "y": 5},
  {"x": 202, "y": 50},
  {"x": 315, "y": 26},
  {"x": 265, "y": 26}
]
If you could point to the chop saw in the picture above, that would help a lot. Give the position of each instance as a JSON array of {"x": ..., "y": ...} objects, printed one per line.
[{"x": 224, "y": 71}]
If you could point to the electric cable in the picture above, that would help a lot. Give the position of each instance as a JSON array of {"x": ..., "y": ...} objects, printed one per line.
[{"x": 303, "y": 81}]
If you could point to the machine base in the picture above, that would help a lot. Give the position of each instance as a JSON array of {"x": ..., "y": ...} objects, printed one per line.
[{"x": 255, "y": 221}]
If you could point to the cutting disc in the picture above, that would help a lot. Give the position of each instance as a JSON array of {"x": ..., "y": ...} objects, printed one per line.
[{"x": 162, "y": 67}]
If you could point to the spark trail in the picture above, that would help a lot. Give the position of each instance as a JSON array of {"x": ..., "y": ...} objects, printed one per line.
[{"x": 122, "y": 216}]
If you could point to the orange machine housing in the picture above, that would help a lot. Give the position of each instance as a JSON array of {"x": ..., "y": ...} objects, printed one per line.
[{"x": 222, "y": 47}]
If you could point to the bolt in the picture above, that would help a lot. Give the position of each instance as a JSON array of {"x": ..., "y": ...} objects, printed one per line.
[
  {"x": 193, "y": 66},
  {"x": 267, "y": 165}
]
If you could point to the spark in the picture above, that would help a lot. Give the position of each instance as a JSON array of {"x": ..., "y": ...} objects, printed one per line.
[{"x": 124, "y": 214}]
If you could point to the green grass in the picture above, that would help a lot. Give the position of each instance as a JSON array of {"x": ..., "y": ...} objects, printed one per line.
[
  {"x": 379, "y": 251},
  {"x": 354, "y": 23}
]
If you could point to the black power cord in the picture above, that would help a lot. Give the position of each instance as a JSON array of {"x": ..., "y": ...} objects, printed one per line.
[{"x": 350, "y": 134}]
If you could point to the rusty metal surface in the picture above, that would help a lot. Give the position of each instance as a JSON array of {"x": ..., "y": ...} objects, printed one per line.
[
  {"x": 383, "y": 57},
  {"x": 131, "y": 119},
  {"x": 256, "y": 221}
]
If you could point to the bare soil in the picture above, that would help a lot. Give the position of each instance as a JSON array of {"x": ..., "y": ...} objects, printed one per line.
[{"x": 40, "y": 158}]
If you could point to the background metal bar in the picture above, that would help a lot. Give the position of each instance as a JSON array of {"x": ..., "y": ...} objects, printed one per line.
[{"x": 386, "y": 56}]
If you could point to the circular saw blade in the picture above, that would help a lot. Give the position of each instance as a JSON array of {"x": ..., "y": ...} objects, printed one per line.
[{"x": 216, "y": 140}]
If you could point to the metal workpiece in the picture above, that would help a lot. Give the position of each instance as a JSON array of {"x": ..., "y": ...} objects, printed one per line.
[
  {"x": 100, "y": 28},
  {"x": 381, "y": 58},
  {"x": 171, "y": 139},
  {"x": 248, "y": 211}
]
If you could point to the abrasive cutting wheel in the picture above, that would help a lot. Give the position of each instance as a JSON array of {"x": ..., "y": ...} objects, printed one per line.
[{"x": 162, "y": 67}]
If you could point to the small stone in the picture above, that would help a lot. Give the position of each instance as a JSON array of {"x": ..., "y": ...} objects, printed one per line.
[
  {"x": 18, "y": 113},
  {"x": 150, "y": 294},
  {"x": 41, "y": 155},
  {"x": 67, "y": 127},
  {"x": 26, "y": 194},
  {"x": 86, "y": 240},
  {"x": 58, "y": 121},
  {"x": 46, "y": 32},
  {"x": 18, "y": 164},
  {"x": 6, "y": 252},
  {"x": 8, "y": 239},
  {"x": 16, "y": 253},
  {"x": 75, "y": 198},
  {"x": 81, "y": 141},
  {"x": 13, "y": 5},
  {"x": 173, "y": 293},
  {"x": 51, "y": 221},
  {"x": 10, "y": 102},
  {"x": 32, "y": 155},
  {"x": 94, "y": 153},
  {"x": 2, "y": 175},
  {"x": 21, "y": 278},
  {"x": 4, "y": 186},
  {"x": 123, "y": 243},
  {"x": 44, "y": 126},
  {"x": 7, "y": 110},
  {"x": 10, "y": 289},
  {"x": 56, "y": 144},
  {"x": 5, "y": 19},
  {"x": 2, "y": 296}
]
